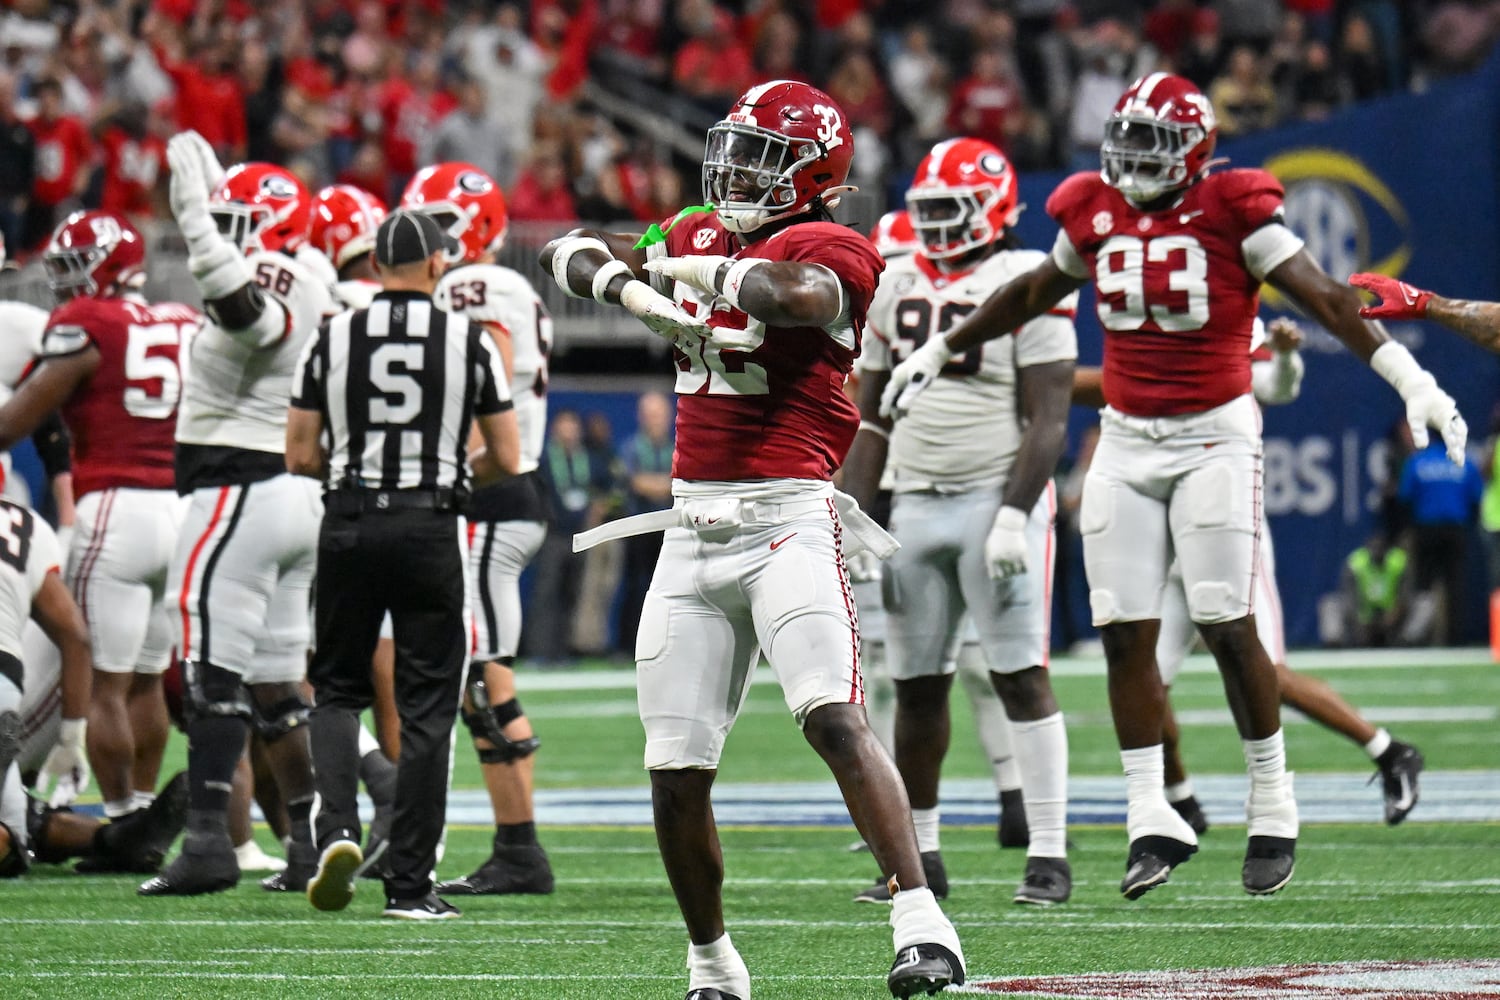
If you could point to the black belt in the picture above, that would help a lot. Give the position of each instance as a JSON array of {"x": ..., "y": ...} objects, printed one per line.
[{"x": 367, "y": 501}]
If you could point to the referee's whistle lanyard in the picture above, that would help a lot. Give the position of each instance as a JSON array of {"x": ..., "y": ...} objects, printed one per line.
[{"x": 570, "y": 475}]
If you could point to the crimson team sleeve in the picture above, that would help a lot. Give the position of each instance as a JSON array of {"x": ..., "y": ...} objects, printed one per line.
[{"x": 851, "y": 258}]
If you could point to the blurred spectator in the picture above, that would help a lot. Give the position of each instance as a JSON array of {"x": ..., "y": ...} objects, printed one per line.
[
  {"x": 1113, "y": 56},
  {"x": 367, "y": 171},
  {"x": 1252, "y": 22},
  {"x": 988, "y": 103},
  {"x": 920, "y": 81},
  {"x": 648, "y": 467},
  {"x": 64, "y": 156},
  {"x": 1360, "y": 67},
  {"x": 602, "y": 564},
  {"x": 629, "y": 40},
  {"x": 17, "y": 166},
  {"x": 469, "y": 134},
  {"x": 511, "y": 69},
  {"x": 577, "y": 488},
  {"x": 541, "y": 190},
  {"x": 1443, "y": 499},
  {"x": 135, "y": 162},
  {"x": 564, "y": 30},
  {"x": 1316, "y": 92},
  {"x": 855, "y": 84},
  {"x": 261, "y": 78},
  {"x": 713, "y": 66},
  {"x": 1375, "y": 595},
  {"x": 1456, "y": 36},
  {"x": 1203, "y": 57},
  {"x": 778, "y": 49},
  {"x": 1243, "y": 98},
  {"x": 1169, "y": 25},
  {"x": 210, "y": 97},
  {"x": 410, "y": 110}
]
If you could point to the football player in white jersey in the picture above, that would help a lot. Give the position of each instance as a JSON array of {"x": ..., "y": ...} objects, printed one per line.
[
  {"x": 507, "y": 521},
  {"x": 893, "y": 237},
  {"x": 344, "y": 220},
  {"x": 973, "y": 504},
  {"x": 244, "y": 565}
]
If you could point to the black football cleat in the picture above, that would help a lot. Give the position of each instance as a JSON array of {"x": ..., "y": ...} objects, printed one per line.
[
  {"x": 1399, "y": 767},
  {"x": 301, "y": 866},
  {"x": 1269, "y": 862},
  {"x": 709, "y": 993},
  {"x": 199, "y": 870},
  {"x": 138, "y": 843},
  {"x": 1151, "y": 861},
  {"x": 1048, "y": 881},
  {"x": 1190, "y": 810},
  {"x": 509, "y": 870},
  {"x": 924, "y": 968},
  {"x": 932, "y": 867},
  {"x": 1011, "y": 829},
  {"x": 428, "y": 907}
]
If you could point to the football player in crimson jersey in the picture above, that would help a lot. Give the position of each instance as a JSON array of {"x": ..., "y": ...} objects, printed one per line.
[
  {"x": 975, "y": 453},
  {"x": 1177, "y": 254},
  {"x": 764, "y": 298},
  {"x": 242, "y": 572},
  {"x": 109, "y": 365},
  {"x": 507, "y": 521}
]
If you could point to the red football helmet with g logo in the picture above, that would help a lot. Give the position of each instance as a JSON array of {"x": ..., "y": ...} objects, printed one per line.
[
  {"x": 466, "y": 202},
  {"x": 783, "y": 149},
  {"x": 1159, "y": 137},
  {"x": 963, "y": 197},
  {"x": 94, "y": 253},
  {"x": 893, "y": 234},
  {"x": 344, "y": 220},
  {"x": 260, "y": 206}
]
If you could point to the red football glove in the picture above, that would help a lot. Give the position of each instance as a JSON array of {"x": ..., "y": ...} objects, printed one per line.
[{"x": 1398, "y": 300}]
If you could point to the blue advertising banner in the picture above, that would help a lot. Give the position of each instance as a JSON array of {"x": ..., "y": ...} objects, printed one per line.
[{"x": 1408, "y": 186}]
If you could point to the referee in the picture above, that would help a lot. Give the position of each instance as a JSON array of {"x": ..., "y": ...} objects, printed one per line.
[{"x": 381, "y": 409}]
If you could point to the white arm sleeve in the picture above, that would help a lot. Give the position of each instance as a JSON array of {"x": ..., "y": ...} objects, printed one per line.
[
  {"x": 1067, "y": 258},
  {"x": 1268, "y": 248}
]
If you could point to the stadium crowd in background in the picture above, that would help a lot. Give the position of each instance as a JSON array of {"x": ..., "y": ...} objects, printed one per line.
[{"x": 363, "y": 91}]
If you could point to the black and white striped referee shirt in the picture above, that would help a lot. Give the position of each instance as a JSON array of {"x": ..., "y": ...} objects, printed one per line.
[{"x": 398, "y": 385}]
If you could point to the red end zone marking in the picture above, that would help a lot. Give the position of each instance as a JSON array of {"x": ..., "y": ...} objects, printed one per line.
[{"x": 1477, "y": 979}]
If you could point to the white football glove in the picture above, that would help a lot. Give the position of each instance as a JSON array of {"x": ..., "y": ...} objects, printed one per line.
[
  {"x": 68, "y": 763},
  {"x": 698, "y": 271},
  {"x": 208, "y": 160},
  {"x": 188, "y": 190},
  {"x": 863, "y": 566},
  {"x": 1005, "y": 548},
  {"x": 912, "y": 376},
  {"x": 1426, "y": 404},
  {"x": 664, "y": 317}
]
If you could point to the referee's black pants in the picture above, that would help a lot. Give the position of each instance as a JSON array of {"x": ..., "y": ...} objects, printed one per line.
[{"x": 412, "y": 563}]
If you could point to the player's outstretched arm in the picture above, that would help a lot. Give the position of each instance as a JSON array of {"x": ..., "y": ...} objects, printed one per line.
[
  {"x": 867, "y": 455},
  {"x": 1337, "y": 308},
  {"x": 1046, "y": 393},
  {"x": 778, "y": 293},
  {"x": 610, "y": 269},
  {"x": 1476, "y": 321},
  {"x": 1023, "y": 298}
]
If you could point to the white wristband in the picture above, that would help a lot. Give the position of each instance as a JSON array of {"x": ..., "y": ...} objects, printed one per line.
[
  {"x": 1012, "y": 519},
  {"x": 609, "y": 271},
  {"x": 564, "y": 253},
  {"x": 1395, "y": 364},
  {"x": 874, "y": 428},
  {"x": 735, "y": 277},
  {"x": 72, "y": 732}
]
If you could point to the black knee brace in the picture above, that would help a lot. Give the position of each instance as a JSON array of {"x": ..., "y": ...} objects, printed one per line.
[
  {"x": 487, "y": 722},
  {"x": 209, "y": 690},
  {"x": 280, "y": 713}
]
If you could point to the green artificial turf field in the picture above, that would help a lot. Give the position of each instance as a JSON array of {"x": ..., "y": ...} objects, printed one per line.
[{"x": 1425, "y": 894}]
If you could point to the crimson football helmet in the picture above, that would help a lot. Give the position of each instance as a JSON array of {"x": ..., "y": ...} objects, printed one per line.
[
  {"x": 1158, "y": 138},
  {"x": 963, "y": 197},
  {"x": 893, "y": 234},
  {"x": 344, "y": 220},
  {"x": 260, "y": 206},
  {"x": 783, "y": 149},
  {"x": 466, "y": 202},
  {"x": 94, "y": 253}
]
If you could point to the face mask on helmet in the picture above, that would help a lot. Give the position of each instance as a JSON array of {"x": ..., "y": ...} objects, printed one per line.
[
  {"x": 951, "y": 223},
  {"x": 70, "y": 272},
  {"x": 747, "y": 175},
  {"x": 241, "y": 224},
  {"x": 1144, "y": 159}
]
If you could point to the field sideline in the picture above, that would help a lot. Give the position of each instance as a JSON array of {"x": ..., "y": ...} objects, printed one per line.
[{"x": 1423, "y": 893}]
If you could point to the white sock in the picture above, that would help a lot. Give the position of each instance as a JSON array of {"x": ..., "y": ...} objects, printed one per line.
[
  {"x": 925, "y": 822},
  {"x": 367, "y": 742},
  {"x": 1379, "y": 744},
  {"x": 1180, "y": 792},
  {"x": 916, "y": 918},
  {"x": 1146, "y": 810},
  {"x": 718, "y": 965},
  {"x": 1271, "y": 810},
  {"x": 141, "y": 800},
  {"x": 1042, "y": 753},
  {"x": 119, "y": 807}
]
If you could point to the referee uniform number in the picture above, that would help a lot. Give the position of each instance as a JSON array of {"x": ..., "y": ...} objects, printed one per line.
[{"x": 400, "y": 399}]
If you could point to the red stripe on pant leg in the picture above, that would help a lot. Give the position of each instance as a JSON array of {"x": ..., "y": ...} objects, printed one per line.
[
  {"x": 192, "y": 563},
  {"x": 91, "y": 554},
  {"x": 1047, "y": 568},
  {"x": 856, "y": 681}
]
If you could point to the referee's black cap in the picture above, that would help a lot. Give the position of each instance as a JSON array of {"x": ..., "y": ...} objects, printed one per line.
[{"x": 406, "y": 237}]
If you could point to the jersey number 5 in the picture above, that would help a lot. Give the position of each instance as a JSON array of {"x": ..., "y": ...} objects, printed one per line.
[{"x": 156, "y": 401}]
